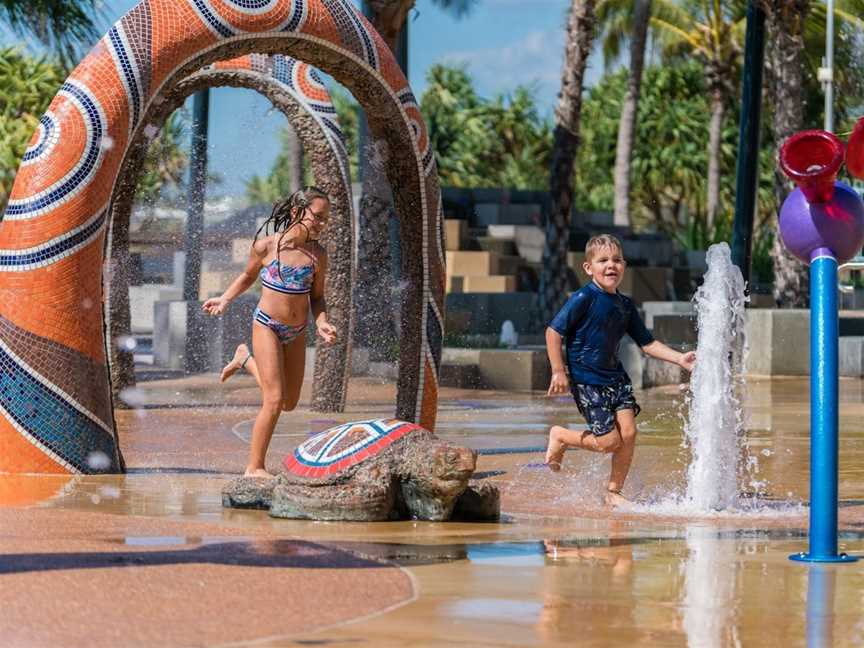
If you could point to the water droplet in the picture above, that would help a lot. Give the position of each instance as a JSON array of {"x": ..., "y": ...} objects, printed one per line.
[
  {"x": 98, "y": 460},
  {"x": 110, "y": 492},
  {"x": 132, "y": 396},
  {"x": 126, "y": 343}
]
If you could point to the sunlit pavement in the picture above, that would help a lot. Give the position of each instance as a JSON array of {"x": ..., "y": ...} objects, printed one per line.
[{"x": 151, "y": 558}]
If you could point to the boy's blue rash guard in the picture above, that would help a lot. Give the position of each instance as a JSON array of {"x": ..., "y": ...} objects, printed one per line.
[{"x": 592, "y": 323}]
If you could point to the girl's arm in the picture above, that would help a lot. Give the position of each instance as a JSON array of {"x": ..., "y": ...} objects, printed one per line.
[
  {"x": 662, "y": 352},
  {"x": 217, "y": 305},
  {"x": 319, "y": 304}
]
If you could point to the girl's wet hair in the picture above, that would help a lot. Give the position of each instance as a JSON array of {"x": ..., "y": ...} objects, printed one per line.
[{"x": 288, "y": 213}]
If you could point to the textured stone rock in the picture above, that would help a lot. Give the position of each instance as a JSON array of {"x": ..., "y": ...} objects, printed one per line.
[
  {"x": 248, "y": 492},
  {"x": 480, "y": 501},
  {"x": 369, "y": 471}
]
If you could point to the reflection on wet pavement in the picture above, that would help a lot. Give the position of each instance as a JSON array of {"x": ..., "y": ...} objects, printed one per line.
[{"x": 560, "y": 569}]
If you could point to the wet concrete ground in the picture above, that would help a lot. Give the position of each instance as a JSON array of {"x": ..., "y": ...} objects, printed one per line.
[{"x": 151, "y": 558}]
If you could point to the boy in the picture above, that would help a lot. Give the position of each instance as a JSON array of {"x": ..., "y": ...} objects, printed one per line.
[{"x": 592, "y": 323}]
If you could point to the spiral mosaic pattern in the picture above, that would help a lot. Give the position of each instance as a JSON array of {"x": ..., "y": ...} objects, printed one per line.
[
  {"x": 304, "y": 83},
  {"x": 47, "y": 198},
  {"x": 332, "y": 451},
  {"x": 55, "y": 407},
  {"x": 46, "y": 137}
]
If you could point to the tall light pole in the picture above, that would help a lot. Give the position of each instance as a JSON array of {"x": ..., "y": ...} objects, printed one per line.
[
  {"x": 826, "y": 72},
  {"x": 747, "y": 171}
]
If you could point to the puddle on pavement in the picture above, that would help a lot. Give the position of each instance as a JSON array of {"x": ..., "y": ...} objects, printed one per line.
[
  {"x": 694, "y": 586},
  {"x": 556, "y": 573}
]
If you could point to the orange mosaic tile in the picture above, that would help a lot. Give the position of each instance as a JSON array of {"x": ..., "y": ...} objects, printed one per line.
[{"x": 52, "y": 232}]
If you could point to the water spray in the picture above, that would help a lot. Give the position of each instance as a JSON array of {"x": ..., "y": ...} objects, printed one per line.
[{"x": 714, "y": 425}]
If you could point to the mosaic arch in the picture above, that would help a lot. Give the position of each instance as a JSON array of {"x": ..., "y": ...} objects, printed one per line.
[
  {"x": 297, "y": 90},
  {"x": 55, "y": 402}
]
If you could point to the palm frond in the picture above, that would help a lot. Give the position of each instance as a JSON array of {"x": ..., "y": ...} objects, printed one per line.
[
  {"x": 61, "y": 25},
  {"x": 458, "y": 8},
  {"x": 672, "y": 36}
]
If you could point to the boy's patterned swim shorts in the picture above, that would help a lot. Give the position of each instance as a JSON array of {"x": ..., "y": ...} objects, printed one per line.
[{"x": 598, "y": 404}]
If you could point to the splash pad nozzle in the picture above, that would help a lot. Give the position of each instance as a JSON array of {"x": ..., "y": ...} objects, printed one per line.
[
  {"x": 822, "y": 223},
  {"x": 811, "y": 159}
]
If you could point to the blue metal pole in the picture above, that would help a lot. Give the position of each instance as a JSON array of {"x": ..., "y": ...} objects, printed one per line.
[{"x": 824, "y": 371}]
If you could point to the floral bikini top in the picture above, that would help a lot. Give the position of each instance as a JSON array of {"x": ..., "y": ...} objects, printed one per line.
[{"x": 293, "y": 280}]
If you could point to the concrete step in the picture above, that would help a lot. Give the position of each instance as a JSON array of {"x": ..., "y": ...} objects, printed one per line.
[
  {"x": 520, "y": 369},
  {"x": 491, "y": 284},
  {"x": 508, "y": 214},
  {"x": 472, "y": 313},
  {"x": 465, "y": 263},
  {"x": 463, "y": 376},
  {"x": 851, "y": 354},
  {"x": 504, "y": 247},
  {"x": 529, "y": 239},
  {"x": 455, "y": 234}
]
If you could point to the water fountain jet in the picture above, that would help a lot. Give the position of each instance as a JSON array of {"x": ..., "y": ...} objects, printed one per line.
[{"x": 715, "y": 425}]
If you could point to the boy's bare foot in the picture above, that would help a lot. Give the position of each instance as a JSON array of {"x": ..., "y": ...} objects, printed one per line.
[
  {"x": 241, "y": 355},
  {"x": 259, "y": 472},
  {"x": 555, "y": 450},
  {"x": 614, "y": 499}
]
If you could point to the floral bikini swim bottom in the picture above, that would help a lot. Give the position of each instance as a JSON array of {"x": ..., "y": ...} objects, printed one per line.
[{"x": 285, "y": 333}]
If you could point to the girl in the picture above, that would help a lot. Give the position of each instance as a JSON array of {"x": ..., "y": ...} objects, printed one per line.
[{"x": 292, "y": 266}]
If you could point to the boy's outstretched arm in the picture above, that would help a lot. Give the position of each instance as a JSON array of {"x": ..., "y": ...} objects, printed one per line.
[
  {"x": 662, "y": 352},
  {"x": 559, "y": 383}
]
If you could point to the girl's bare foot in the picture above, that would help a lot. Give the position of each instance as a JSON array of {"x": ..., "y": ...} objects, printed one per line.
[
  {"x": 241, "y": 355},
  {"x": 258, "y": 472},
  {"x": 555, "y": 450},
  {"x": 614, "y": 499}
]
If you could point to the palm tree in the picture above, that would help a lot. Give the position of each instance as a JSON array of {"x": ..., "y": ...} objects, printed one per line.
[
  {"x": 619, "y": 19},
  {"x": 60, "y": 25},
  {"x": 785, "y": 26},
  {"x": 389, "y": 16},
  {"x": 565, "y": 143},
  {"x": 797, "y": 38},
  {"x": 713, "y": 32}
]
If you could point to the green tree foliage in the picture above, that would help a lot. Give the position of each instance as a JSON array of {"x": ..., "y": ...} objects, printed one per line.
[
  {"x": 277, "y": 183},
  {"x": 669, "y": 159},
  {"x": 498, "y": 142},
  {"x": 164, "y": 172},
  {"x": 60, "y": 25},
  {"x": 27, "y": 86},
  {"x": 349, "y": 121},
  {"x": 502, "y": 142},
  {"x": 670, "y": 156}
]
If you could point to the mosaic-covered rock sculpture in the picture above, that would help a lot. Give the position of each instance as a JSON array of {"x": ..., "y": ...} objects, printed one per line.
[
  {"x": 383, "y": 469},
  {"x": 53, "y": 232}
]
